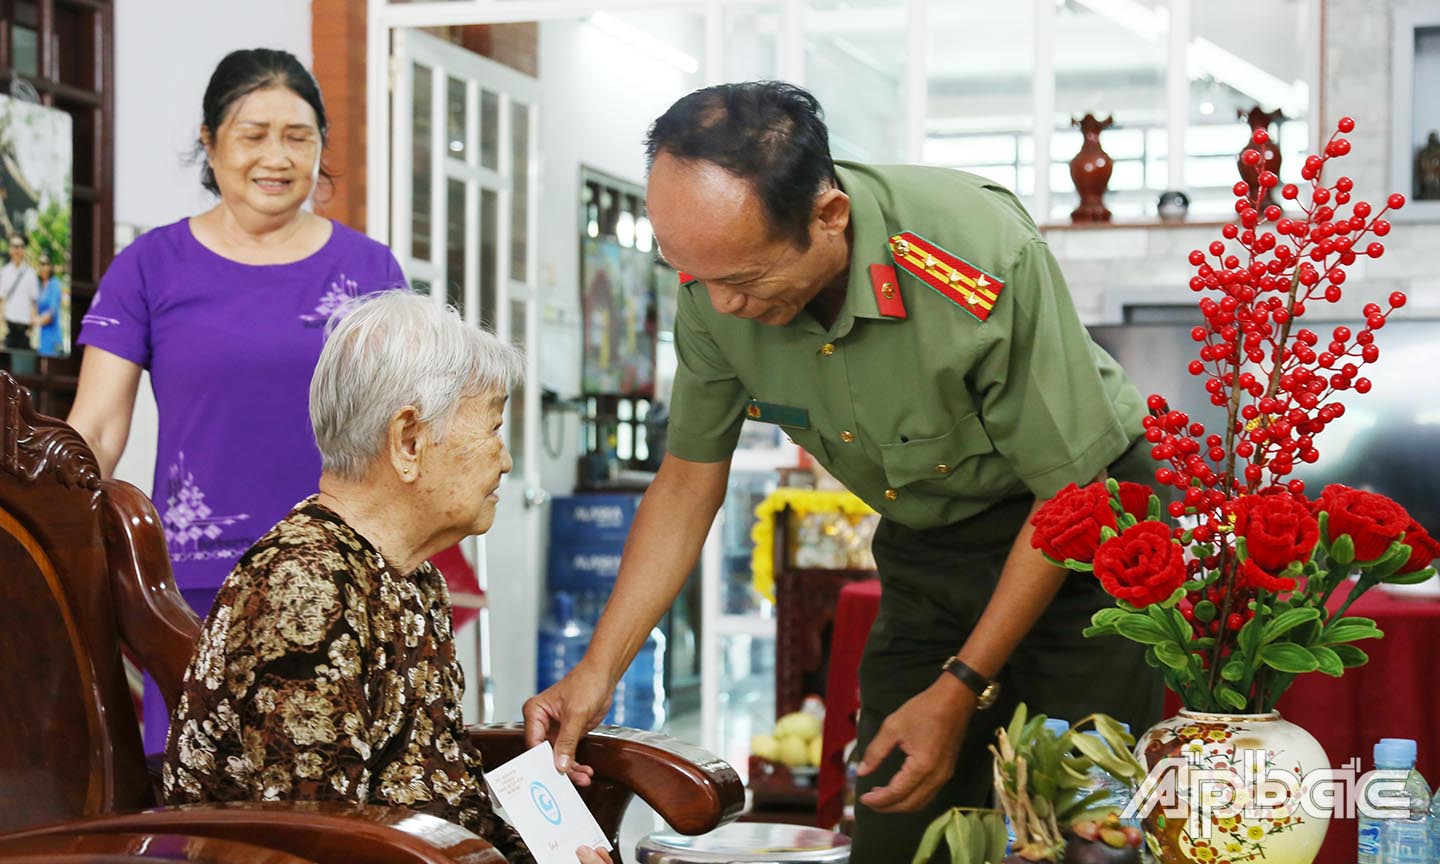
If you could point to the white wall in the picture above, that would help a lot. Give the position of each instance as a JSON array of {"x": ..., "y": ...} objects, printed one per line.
[
  {"x": 165, "y": 51},
  {"x": 598, "y": 98}
]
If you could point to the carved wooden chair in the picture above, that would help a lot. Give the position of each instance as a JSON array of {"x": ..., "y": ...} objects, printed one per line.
[{"x": 84, "y": 571}]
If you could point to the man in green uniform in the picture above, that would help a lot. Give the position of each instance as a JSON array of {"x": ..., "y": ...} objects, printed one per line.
[{"x": 909, "y": 328}]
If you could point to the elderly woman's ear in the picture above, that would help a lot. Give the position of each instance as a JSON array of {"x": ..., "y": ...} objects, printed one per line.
[{"x": 406, "y": 443}]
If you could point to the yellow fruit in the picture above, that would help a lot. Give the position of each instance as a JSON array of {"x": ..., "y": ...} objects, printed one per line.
[
  {"x": 815, "y": 750},
  {"x": 799, "y": 725},
  {"x": 766, "y": 747},
  {"x": 794, "y": 752}
]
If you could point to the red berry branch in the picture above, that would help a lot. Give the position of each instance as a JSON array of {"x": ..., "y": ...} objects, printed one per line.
[{"x": 1276, "y": 381}]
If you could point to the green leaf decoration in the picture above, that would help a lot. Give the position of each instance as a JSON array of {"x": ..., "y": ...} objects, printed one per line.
[
  {"x": 1205, "y": 611},
  {"x": 1342, "y": 550},
  {"x": 1142, "y": 629},
  {"x": 1350, "y": 629},
  {"x": 1230, "y": 697},
  {"x": 1288, "y": 657},
  {"x": 1107, "y": 616},
  {"x": 1411, "y": 578},
  {"x": 1330, "y": 662},
  {"x": 1350, "y": 655},
  {"x": 1172, "y": 655},
  {"x": 1233, "y": 670},
  {"x": 1287, "y": 621},
  {"x": 1248, "y": 639},
  {"x": 1181, "y": 625}
]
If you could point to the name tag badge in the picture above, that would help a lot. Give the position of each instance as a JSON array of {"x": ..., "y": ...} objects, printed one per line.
[{"x": 780, "y": 415}]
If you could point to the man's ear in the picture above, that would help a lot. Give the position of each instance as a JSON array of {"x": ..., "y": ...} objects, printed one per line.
[
  {"x": 831, "y": 212},
  {"x": 405, "y": 443}
]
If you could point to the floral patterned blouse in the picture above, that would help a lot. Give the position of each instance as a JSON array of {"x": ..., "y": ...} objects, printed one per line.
[{"x": 324, "y": 674}]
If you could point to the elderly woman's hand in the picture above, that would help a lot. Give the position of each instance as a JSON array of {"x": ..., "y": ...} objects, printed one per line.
[{"x": 593, "y": 856}]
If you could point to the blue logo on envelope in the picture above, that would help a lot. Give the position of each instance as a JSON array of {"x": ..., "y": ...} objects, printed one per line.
[{"x": 545, "y": 802}]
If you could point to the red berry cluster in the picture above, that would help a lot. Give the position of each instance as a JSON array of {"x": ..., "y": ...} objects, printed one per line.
[{"x": 1276, "y": 378}]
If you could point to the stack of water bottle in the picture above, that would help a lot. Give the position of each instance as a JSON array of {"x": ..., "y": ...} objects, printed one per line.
[
  {"x": 587, "y": 534},
  {"x": 1411, "y": 835}
]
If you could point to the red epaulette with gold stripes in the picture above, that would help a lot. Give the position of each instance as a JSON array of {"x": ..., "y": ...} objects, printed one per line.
[{"x": 964, "y": 284}]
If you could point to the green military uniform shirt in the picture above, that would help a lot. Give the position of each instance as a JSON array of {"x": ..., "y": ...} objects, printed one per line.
[{"x": 933, "y": 417}]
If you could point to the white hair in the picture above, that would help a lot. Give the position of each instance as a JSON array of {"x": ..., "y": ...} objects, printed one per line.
[{"x": 393, "y": 349}]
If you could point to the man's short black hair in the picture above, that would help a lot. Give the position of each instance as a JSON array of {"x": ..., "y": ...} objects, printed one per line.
[{"x": 768, "y": 132}]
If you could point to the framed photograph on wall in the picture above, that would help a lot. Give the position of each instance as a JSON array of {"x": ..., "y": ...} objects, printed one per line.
[{"x": 36, "y": 171}]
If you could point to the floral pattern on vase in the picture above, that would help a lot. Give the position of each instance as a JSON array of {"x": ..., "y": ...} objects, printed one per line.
[{"x": 1273, "y": 827}]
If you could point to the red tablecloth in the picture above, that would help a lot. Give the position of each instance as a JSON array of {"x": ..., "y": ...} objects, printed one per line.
[
  {"x": 854, "y": 613},
  {"x": 1396, "y": 696}
]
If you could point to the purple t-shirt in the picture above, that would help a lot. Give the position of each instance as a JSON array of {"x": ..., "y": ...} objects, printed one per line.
[{"x": 231, "y": 348}]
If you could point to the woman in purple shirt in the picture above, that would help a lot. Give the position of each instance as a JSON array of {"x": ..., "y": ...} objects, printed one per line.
[{"x": 227, "y": 311}]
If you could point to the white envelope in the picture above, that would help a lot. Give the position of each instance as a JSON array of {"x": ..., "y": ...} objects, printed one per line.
[{"x": 544, "y": 807}]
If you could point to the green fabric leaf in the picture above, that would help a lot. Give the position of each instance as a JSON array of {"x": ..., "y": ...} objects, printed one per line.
[
  {"x": 1233, "y": 670},
  {"x": 1411, "y": 578},
  {"x": 1288, "y": 657},
  {"x": 1230, "y": 697},
  {"x": 1350, "y": 655},
  {"x": 1205, "y": 611},
  {"x": 1248, "y": 639},
  {"x": 1342, "y": 550},
  {"x": 1172, "y": 655},
  {"x": 1287, "y": 621},
  {"x": 1140, "y": 628},
  {"x": 1330, "y": 662}
]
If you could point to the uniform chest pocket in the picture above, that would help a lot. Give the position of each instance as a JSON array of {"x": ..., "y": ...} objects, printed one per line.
[{"x": 937, "y": 458}]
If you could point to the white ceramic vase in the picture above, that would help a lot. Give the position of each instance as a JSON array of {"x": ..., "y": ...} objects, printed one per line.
[{"x": 1240, "y": 788}]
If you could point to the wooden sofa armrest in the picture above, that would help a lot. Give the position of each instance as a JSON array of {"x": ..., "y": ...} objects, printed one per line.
[
  {"x": 137, "y": 848},
  {"x": 319, "y": 831},
  {"x": 692, "y": 789},
  {"x": 155, "y": 624}
]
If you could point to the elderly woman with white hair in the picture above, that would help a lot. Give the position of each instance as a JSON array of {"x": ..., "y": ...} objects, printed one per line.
[{"x": 326, "y": 669}]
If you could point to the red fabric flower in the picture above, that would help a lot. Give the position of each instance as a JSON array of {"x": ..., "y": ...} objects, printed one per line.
[
  {"x": 1135, "y": 499},
  {"x": 1068, "y": 525},
  {"x": 1423, "y": 548},
  {"x": 1141, "y": 566},
  {"x": 1372, "y": 520},
  {"x": 1256, "y": 579},
  {"x": 1277, "y": 529}
]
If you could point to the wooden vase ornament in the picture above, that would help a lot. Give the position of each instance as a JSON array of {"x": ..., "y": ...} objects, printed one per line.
[
  {"x": 1090, "y": 170},
  {"x": 1269, "y": 151}
]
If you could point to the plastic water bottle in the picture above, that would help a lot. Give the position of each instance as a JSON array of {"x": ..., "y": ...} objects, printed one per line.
[
  {"x": 639, "y": 700},
  {"x": 1397, "y": 838},
  {"x": 1435, "y": 826},
  {"x": 1405, "y": 838},
  {"x": 562, "y": 641}
]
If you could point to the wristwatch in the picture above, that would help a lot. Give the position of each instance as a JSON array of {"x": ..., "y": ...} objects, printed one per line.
[{"x": 987, "y": 691}]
